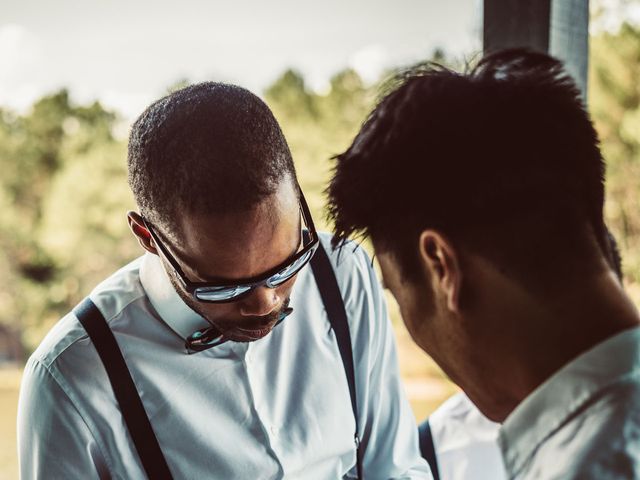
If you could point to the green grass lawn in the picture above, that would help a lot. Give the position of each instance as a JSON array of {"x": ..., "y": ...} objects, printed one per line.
[{"x": 9, "y": 384}]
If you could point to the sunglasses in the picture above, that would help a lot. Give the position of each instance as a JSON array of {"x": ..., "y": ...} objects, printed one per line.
[{"x": 223, "y": 292}]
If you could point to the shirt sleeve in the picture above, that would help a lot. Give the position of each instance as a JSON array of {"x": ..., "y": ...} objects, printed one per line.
[
  {"x": 53, "y": 440},
  {"x": 388, "y": 427}
]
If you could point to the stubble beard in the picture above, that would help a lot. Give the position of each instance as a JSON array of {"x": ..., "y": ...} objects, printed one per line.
[{"x": 227, "y": 330}]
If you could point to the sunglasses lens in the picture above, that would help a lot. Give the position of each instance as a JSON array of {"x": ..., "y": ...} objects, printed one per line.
[
  {"x": 232, "y": 292},
  {"x": 220, "y": 294},
  {"x": 290, "y": 270}
]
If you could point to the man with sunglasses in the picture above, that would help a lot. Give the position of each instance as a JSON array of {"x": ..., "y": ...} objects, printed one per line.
[{"x": 230, "y": 388}]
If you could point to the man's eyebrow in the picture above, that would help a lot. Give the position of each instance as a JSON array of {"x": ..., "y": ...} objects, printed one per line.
[
  {"x": 189, "y": 262},
  {"x": 213, "y": 279},
  {"x": 209, "y": 278}
]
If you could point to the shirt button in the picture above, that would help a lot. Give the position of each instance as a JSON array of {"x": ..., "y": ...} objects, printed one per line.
[{"x": 274, "y": 430}]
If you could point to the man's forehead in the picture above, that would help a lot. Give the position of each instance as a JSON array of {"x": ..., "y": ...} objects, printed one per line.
[
  {"x": 263, "y": 215},
  {"x": 231, "y": 245}
]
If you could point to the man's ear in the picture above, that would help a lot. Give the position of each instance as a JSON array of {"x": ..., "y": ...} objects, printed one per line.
[
  {"x": 441, "y": 260},
  {"x": 139, "y": 229}
]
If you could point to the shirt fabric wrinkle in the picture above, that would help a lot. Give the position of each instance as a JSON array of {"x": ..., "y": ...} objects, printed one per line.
[
  {"x": 561, "y": 418},
  {"x": 278, "y": 407}
]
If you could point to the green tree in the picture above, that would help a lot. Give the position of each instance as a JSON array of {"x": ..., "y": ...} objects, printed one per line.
[
  {"x": 55, "y": 150},
  {"x": 318, "y": 126},
  {"x": 614, "y": 102},
  {"x": 290, "y": 98}
]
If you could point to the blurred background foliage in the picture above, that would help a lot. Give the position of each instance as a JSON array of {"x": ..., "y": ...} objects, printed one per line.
[
  {"x": 64, "y": 194},
  {"x": 614, "y": 102}
]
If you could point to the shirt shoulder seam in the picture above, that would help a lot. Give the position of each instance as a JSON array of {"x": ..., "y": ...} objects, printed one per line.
[
  {"x": 52, "y": 360},
  {"x": 106, "y": 459}
]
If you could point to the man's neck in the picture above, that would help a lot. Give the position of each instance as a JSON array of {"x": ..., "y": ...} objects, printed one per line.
[{"x": 541, "y": 335}]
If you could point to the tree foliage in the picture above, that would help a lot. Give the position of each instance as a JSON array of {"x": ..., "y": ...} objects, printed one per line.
[
  {"x": 614, "y": 101},
  {"x": 63, "y": 184},
  {"x": 318, "y": 126},
  {"x": 64, "y": 194}
]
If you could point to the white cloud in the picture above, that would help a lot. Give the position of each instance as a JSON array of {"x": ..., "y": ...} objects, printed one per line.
[
  {"x": 18, "y": 49},
  {"x": 611, "y": 14},
  {"x": 318, "y": 83},
  {"x": 129, "y": 104},
  {"x": 370, "y": 62},
  {"x": 20, "y": 57}
]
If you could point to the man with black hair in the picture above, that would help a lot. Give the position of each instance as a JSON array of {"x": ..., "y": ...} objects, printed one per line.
[
  {"x": 219, "y": 353},
  {"x": 490, "y": 235},
  {"x": 462, "y": 444}
]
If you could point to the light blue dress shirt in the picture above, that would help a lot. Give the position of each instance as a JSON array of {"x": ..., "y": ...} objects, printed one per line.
[
  {"x": 583, "y": 423},
  {"x": 275, "y": 408}
]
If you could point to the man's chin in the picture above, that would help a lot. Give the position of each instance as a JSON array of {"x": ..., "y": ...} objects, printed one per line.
[
  {"x": 237, "y": 334},
  {"x": 254, "y": 330}
]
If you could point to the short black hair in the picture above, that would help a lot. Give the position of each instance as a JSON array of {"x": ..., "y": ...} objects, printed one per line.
[
  {"x": 207, "y": 148},
  {"x": 502, "y": 158}
]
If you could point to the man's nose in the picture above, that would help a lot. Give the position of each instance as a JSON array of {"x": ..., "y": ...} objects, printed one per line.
[{"x": 260, "y": 302}]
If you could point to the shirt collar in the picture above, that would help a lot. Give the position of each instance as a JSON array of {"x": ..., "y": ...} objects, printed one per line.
[
  {"x": 166, "y": 301},
  {"x": 550, "y": 405}
]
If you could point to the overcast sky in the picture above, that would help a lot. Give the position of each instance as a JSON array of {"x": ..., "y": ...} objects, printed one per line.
[{"x": 126, "y": 53}]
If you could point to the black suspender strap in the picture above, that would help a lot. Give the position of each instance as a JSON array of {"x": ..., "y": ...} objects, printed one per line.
[
  {"x": 332, "y": 299},
  {"x": 125, "y": 391},
  {"x": 427, "y": 448},
  {"x": 130, "y": 403}
]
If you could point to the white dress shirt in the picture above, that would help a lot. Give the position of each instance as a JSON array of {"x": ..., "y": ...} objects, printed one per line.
[
  {"x": 465, "y": 442},
  {"x": 584, "y": 421},
  {"x": 278, "y": 407}
]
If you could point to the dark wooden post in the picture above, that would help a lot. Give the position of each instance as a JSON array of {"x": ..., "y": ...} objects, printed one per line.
[{"x": 558, "y": 27}]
